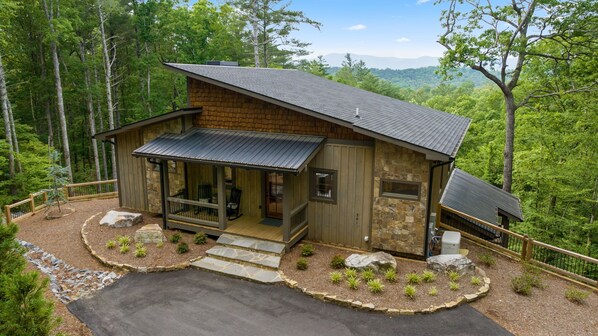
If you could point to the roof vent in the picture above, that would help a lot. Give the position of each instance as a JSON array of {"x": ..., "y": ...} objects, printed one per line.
[
  {"x": 222, "y": 63},
  {"x": 357, "y": 112}
]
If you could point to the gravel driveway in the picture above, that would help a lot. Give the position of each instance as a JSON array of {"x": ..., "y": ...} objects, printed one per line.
[{"x": 193, "y": 302}]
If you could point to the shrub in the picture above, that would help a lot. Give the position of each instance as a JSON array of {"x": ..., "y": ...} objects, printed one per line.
[
  {"x": 576, "y": 296},
  {"x": 410, "y": 291},
  {"x": 433, "y": 291},
  {"x": 160, "y": 244},
  {"x": 428, "y": 276},
  {"x": 123, "y": 240},
  {"x": 336, "y": 277},
  {"x": 11, "y": 252},
  {"x": 476, "y": 281},
  {"x": 111, "y": 244},
  {"x": 353, "y": 283},
  {"x": 487, "y": 259},
  {"x": 534, "y": 280},
  {"x": 302, "y": 264},
  {"x": 140, "y": 252},
  {"x": 307, "y": 250},
  {"x": 124, "y": 249},
  {"x": 454, "y": 286},
  {"x": 454, "y": 276},
  {"x": 350, "y": 273},
  {"x": 139, "y": 245},
  {"x": 337, "y": 262},
  {"x": 390, "y": 275},
  {"x": 521, "y": 285},
  {"x": 182, "y": 247},
  {"x": 368, "y": 275},
  {"x": 175, "y": 238},
  {"x": 200, "y": 238},
  {"x": 531, "y": 269},
  {"x": 375, "y": 286},
  {"x": 413, "y": 278}
]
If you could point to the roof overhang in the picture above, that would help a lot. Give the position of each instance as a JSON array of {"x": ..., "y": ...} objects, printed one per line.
[{"x": 245, "y": 149}]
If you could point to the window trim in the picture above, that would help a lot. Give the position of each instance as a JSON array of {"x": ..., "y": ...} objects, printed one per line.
[
  {"x": 401, "y": 196},
  {"x": 312, "y": 185}
]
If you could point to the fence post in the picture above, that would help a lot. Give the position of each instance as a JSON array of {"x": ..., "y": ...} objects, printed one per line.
[
  {"x": 7, "y": 214},
  {"x": 32, "y": 203},
  {"x": 45, "y": 197},
  {"x": 65, "y": 190},
  {"x": 524, "y": 248}
]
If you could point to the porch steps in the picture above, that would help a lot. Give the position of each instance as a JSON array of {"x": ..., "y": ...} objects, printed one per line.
[
  {"x": 252, "y": 244},
  {"x": 246, "y": 257},
  {"x": 238, "y": 270}
]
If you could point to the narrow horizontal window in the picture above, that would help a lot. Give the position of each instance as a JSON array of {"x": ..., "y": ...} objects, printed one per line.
[
  {"x": 400, "y": 189},
  {"x": 323, "y": 185}
]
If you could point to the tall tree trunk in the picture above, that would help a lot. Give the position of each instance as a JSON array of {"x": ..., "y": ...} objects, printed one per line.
[
  {"x": 255, "y": 33},
  {"x": 108, "y": 79},
  {"x": 100, "y": 115},
  {"x": 91, "y": 114},
  {"x": 509, "y": 143},
  {"x": 15, "y": 140},
  {"x": 6, "y": 118},
  {"x": 47, "y": 108},
  {"x": 59, "y": 98}
]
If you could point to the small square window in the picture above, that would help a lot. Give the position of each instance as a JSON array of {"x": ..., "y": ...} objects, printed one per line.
[
  {"x": 400, "y": 189},
  {"x": 323, "y": 185}
]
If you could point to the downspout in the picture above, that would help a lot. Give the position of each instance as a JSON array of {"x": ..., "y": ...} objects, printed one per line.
[{"x": 430, "y": 183}]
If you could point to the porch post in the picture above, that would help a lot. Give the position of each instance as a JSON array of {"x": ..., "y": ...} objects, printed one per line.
[
  {"x": 221, "y": 198},
  {"x": 165, "y": 188},
  {"x": 286, "y": 207}
]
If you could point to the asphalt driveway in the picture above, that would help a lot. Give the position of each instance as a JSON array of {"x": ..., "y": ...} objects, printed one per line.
[{"x": 194, "y": 302}]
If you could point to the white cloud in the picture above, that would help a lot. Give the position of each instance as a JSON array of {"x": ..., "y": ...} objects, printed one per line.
[
  {"x": 402, "y": 40},
  {"x": 419, "y": 2},
  {"x": 358, "y": 27}
]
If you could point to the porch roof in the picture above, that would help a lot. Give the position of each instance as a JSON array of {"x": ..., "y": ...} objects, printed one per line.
[{"x": 259, "y": 150}]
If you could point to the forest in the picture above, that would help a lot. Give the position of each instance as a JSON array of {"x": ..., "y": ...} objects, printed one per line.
[{"x": 70, "y": 69}]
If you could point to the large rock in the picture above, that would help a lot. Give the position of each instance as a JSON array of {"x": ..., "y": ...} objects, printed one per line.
[
  {"x": 150, "y": 233},
  {"x": 121, "y": 219},
  {"x": 451, "y": 262},
  {"x": 379, "y": 261}
]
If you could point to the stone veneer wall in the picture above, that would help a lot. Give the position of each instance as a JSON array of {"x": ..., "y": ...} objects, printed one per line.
[
  {"x": 397, "y": 224},
  {"x": 176, "y": 177},
  {"x": 223, "y": 108}
]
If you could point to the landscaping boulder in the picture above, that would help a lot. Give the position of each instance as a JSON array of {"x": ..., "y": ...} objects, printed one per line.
[
  {"x": 150, "y": 233},
  {"x": 378, "y": 262},
  {"x": 121, "y": 219},
  {"x": 451, "y": 262}
]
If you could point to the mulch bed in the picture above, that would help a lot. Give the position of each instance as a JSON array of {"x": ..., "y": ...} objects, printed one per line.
[
  {"x": 98, "y": 235},
  {"x": 316, "y": 278}
]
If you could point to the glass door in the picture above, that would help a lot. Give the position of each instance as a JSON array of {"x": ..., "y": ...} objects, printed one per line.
[{"x": 274, "y": 195}]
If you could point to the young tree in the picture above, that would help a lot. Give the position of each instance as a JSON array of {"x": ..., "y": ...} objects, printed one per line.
[
  {"x": 317, "y": 66},
  {"x": 58, "y": 177},
  {"x": 504, "y": 38}
]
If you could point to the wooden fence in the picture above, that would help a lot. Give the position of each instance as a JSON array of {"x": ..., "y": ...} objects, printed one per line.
[
  {"x": 73, "y": 192},
  {"x": 570, "y": 264}
]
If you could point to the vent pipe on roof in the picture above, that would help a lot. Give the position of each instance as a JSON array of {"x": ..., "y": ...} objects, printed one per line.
[
  {"x": 222, "y": 63},
  {"x": 357, "y": 112}
]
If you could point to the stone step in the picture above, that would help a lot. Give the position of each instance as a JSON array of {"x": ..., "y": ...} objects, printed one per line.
[
  {"x": 244, "y": 256},
  {"x": 262, "y": 246},
  {"x": 238, "y": 270}
]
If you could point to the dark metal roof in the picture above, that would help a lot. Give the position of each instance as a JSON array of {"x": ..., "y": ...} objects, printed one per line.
[
  {"x": 413, "y": 126},
  {"x": 148, "y": 121},
  {"x": 479, "y": 199},
  {"x": 272, "y": 151}
]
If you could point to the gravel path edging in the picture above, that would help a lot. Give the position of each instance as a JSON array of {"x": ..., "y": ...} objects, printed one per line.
[
  {"x": 140, "y": 269},
  {"x": 482, "y": 291}
]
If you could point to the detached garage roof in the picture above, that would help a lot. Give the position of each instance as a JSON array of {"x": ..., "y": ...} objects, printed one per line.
[
  {"x": 479, "y": 199},
  {"x": 436, "y": 133}
]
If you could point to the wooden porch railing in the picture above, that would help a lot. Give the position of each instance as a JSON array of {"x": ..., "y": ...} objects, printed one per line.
[
  {"x": 298, "y": 218},
  {"x": 185, "y": 210}
]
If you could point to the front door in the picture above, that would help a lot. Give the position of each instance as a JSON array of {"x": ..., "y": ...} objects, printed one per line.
[{"x": 274, "y": 195}]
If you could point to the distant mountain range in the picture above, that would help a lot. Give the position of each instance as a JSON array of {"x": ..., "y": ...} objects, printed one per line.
[{"x": 336, "y": 60}]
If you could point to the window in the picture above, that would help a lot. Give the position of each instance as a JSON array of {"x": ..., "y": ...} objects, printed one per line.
[
  {"x": 230, "y": 175},
  {"x": 400, "y": 189},
  {"x": 323, "y": 185}
]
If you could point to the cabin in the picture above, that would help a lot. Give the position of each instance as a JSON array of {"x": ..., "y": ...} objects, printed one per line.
[{"x": 282, "y": 154}]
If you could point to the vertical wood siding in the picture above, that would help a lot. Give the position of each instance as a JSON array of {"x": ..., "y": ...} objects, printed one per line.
[
  {"x": 132, "y": 182},
  {"x": 250, "y": 183}
]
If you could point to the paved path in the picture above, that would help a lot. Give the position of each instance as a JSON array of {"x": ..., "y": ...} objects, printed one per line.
[{"x": 194, "y": 302}]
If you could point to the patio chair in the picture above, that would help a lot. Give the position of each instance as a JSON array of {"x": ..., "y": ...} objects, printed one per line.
[
  {"x": 233, "y": 204},
  {"x": 204, "y": 194}
]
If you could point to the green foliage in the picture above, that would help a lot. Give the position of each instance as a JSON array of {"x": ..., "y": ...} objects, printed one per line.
[
  {"x": 413, "y": 278},
  {"x": 428, "y": 276},
  {"x": 454, "y": 276},
  {"x": 11, "y": 260},
  {"x": 140, "y": 252},
  {"x": 337, "y": 262},
  {"x": 368, "y": 274},
  {"x": 454, "y": 286},
  {"x": 160, "y": 244},
  {"x": 375, "y": 286},
  {"x": 336, "y": 277},
  {"x": 433, "y": 291},
  {"x": 182, "y": 247},
  {"x": 390, "y": 275},
  {"x": 350, "y": 273},
  {"x": 353, "y": 283},
  {"x": 123, "y": 240},
  {"x": 200, "y": 238},
  {"x": 139, "y": 245},
  {"x": 476, "y": 281},
  {"x": 307, "y": 250},
  {"x": 302, "y": 264},
  {"x": 410, "y": 291},
  {"x": 521, "y": 285},
  {"x": 111, "y": 244},
  {"x": 175, "y": 237},
  {"x": 58, "y": 177},
  {"x": 576, "y": 295},
  {"x": 487, "y": 259},
  {"x": 124, "y": 248}
]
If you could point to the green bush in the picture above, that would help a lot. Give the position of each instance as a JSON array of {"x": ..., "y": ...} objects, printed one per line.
[
  {"x": 375, "y": 286},
  {"x": 353, "y": 283},
  {"x": 368, "y": 275},
  {"x": 140, "y": 252},
  {"x": 182, "y": 247},
  {"x": 576, "y": 295},
  {"x": 11, "y": 252},
  {"x": 521, "y": 285},
  {"x": 336, "y": 277},
  {"x": 350, "y": 273},
  {"x": 413, "y": 278},
  {"x": 410, "y": 291},
  {"x": 337, "y": 262},
  {"x": 302, "y": 264},
  {"x": 476, "y": 281},
  {"x": 111, "y": 244},
  {"x": 428, "y": 276},
  {"x": 200, "y": 238},
  {"x": 390, "y": 275},
  {"x": 307, "y": 250},
  {"x": 454, "y": 276},
  {"x": 124, "y": 249},
  {"x": 175, "y": 237},
  {"x": 123, "y": 240},
  {"x": 535, "y": 280},
  {"x": 487, "y": 259},
  {"x": 139, "y": 245},
  {"x": 160, "y": 244},
  {"x": 454, "y": 286},
  {"x": 433, "y": 291}
]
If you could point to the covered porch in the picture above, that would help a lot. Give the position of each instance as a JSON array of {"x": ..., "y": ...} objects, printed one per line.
[{"x": 245, "y": 183}]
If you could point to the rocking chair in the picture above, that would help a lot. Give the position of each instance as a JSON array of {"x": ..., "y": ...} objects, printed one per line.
[
  {"x": 233, "y": 205},
  {"x": 204, "y": 194}
]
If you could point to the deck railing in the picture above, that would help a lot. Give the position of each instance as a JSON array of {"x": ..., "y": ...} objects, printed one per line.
[
  {"x": 73, "y": 192},
  {"x": 203, "y": 213},
  {"x": 298, "y": 219}
]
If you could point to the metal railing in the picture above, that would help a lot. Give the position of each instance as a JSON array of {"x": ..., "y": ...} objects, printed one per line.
[
  {"x": 185, "y": 210},
  {"x": 99, "y": 189}
]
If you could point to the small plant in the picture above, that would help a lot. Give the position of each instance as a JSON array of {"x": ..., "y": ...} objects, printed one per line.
[
  {"x": 576, "y": 296},
  {"x": 182, "y": 247},
  {"x": 454, "y": 276},
  {"x": 200, "y": 238},
  {"x": 175, "y": 238},
  {"x": 139, "y": 245},
  {"x": 111, "y": 244},
  {"x": 140, "y": 252},
  {"x": 433, "y": 291},
  {"x": 123, "y": 240},
  {"x": 521, "y": 285},
  {"x": 535, "y": 280},
  {"x": 124, "y": 249},
  {"x": 307, "y": 250},
  {"x": 350, "y": 273},
  {"x": 487, "y": 259},
  {"x": 375, "y": 286},
  {"x": 336, "y": 277},
  {"x": 390, "y": 275},
  {"x": 368, "y": 274},
  {"x": 160, "y": 244},
  {"x": 428, "y": 276},
  {"x": 353, "y": 283},
  {"x": 410, "y": 291},
  {"x": 413, "y": 278},
  {"x": 531, "y": 269},
  {"x": 302, "y": 264},
  {"x": 476, "y": 281},
  {"x": 337, "y": 262},
  {"x": 454, "y": 286}
]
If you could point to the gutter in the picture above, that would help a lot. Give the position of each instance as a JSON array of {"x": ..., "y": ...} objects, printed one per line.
[{"x": 428, "y": 210}]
